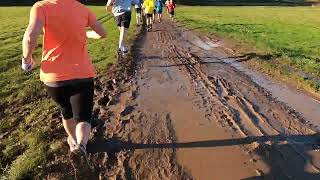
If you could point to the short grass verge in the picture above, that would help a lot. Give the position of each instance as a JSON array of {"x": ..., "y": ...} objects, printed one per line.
[
  {"x": 29, "y": 135},
  {"x": 289, "y": 34}
]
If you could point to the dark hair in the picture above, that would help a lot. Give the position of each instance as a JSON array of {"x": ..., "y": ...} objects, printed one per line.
[{"x": 83, "y": 1}]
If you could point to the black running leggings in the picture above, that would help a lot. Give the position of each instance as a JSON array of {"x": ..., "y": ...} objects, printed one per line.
[{"x": 75, "y": 100}]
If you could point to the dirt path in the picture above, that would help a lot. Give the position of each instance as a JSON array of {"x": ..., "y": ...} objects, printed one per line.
[{"x": 187, "y": 114}]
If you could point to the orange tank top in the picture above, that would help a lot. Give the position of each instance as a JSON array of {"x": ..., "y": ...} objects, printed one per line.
[{"x": 65, "y": 54}]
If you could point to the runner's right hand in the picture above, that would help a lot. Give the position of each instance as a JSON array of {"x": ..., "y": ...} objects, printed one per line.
[
  {"x": 92, "y": 35},
  {"x": 27, "y": 66}
]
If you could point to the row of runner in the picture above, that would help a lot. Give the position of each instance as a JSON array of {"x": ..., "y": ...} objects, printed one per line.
[
  {"x": 151, "y": 9},
  {"x": 121, "y": 10}
]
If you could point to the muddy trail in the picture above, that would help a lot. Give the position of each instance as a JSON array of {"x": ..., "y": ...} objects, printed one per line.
[{"x": 179, "y": 110}]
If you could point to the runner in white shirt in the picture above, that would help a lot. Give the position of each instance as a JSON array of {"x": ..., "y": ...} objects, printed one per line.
[
  {"x": 138, "y": 13},
  {"x": 121, "y": 10}
]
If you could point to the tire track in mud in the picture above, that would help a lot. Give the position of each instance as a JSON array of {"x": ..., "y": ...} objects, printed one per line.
[
  {"x": 158, "y": 74},
  {"x": 247, "y": 118}
]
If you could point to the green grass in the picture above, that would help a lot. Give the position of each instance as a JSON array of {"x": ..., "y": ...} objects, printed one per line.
[
  {"x": 26, "y": 111},
  {"x": 290, "y": 33}
]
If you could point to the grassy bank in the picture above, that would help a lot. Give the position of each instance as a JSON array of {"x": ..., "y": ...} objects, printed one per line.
[
  {"x": 289, "y": 35},
  {"x": 29, "y": 135}
]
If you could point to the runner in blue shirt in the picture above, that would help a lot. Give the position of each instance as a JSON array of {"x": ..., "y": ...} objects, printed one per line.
[{"x": 159, "y": 7}]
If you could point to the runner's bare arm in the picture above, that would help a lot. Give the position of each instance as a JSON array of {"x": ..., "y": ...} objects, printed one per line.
[
  {"x": 109, "y": 5},
  {"x": 30, "y": 36},
  {"x": 98, "y": 31}
]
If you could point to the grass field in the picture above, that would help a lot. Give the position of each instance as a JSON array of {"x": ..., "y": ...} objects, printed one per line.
[
  {"x": 290, "y": 34},
  {"x": 27, "y": 138}
]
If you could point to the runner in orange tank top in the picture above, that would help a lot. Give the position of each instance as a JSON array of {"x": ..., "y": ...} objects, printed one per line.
[{"x": 66, "y": 68}]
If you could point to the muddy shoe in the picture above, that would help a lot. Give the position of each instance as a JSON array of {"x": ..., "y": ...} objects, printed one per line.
[
  {"x": 123, "y": 50},
  {"x": 80, "y": 163}
]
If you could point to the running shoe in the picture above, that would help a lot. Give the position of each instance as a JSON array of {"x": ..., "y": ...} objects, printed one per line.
[
  {"x": 79, "y": 161},
  {"x": 123, "y": 50}
]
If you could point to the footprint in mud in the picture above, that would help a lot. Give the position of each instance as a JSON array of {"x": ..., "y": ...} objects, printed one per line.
[
  {"x": 111, "y": 85},
  {"x": 98, "y": 88},
  {"x": 134, "y": 94},
  {"x": 105, "y": 100},
  {"x": 82, "y": 168},
  {"x": 128, "y": 110}
]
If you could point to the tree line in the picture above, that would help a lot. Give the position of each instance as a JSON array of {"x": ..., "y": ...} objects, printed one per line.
[{"x": 185, "y": 2}]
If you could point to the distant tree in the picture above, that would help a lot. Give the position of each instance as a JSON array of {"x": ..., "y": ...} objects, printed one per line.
[{"x": 17, "y": 2}]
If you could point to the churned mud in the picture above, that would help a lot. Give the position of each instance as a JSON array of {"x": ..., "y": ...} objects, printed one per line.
[{"x": 181, "y": 109}]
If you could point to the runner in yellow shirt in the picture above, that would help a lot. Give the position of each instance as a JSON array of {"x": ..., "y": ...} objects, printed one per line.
[{"x": 148, "y": 6}]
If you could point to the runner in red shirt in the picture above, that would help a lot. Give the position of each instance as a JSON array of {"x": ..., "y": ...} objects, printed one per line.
[{"x": 171, "y": 7}]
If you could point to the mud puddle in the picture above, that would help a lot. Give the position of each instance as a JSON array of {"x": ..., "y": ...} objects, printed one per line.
[{"x": 164, "y": 91}]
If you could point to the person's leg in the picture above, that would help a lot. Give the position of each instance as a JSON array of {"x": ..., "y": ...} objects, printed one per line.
[
  {"x": 140, "y": 16},
  {"x": 83, "y": 130},
  {"x": 82, "y": 105},
  {"x": 125, "y": 24},
  {"x": 151, "y": 22},
  {"x": 171, "y": 15},
  {"x": 123, "y": 34},
  {"x": 70, "y": 127},
  {"x": 149, "y": 19},
  {"x": 61, "y": 95},
  {"x": 141, "y": 20},
  {"x": 118, "y": 20},
  {"x": 137, "y": 19}
]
